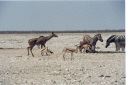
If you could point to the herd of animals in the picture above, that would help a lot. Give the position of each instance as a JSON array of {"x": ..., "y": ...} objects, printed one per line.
[{"x": 88, "y": 44}]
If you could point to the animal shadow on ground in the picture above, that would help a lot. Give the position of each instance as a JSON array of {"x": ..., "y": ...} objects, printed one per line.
[
  {"x": 109, "y": 52},
  {"x": 9, "y": 48}
]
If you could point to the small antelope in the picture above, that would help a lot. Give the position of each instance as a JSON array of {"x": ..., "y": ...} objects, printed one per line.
[
  {"x": 87, "y": 48},
  {"x": 69, "y": 50},
  {"x": 46, "y": 51}
]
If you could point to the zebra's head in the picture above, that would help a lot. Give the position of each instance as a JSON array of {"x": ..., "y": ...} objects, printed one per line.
[
  {"x": 109, "y": 40},
  {"x": 99, "y": 37},
  {"x": 107, "y": 44}
]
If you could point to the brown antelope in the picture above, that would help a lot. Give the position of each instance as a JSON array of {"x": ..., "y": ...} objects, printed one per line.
[
  {"x": 86, "y": 47},
  {"x": 46, "y": 51},
  {"x": 69, "y": 50}
]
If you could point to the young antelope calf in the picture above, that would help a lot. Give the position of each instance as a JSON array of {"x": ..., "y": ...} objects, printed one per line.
[
  {"x": 87, "y": 48},
  {"x": 69, "y": 50},
  {"x": 46, "y": 51}
]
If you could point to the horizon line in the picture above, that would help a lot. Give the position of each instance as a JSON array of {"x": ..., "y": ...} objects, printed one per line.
[{"x": 66, "y": 31}]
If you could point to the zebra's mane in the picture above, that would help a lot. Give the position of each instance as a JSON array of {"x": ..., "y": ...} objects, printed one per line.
[
  {"x": 96, "y": 35},
  {"x": 110, "y": 38}
]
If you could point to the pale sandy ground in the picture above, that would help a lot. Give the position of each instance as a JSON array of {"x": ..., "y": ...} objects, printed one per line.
[{"x": 16, "y": 68}]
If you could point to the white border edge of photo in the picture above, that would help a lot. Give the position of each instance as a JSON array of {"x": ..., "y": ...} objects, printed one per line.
[{"x": 126, "y": 34}]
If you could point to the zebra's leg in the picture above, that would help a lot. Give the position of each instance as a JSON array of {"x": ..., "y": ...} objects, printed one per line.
[
  {"x": 93, "y": 49},
  {"x": 44, "y": 45},
  {"x": 123, "y": 49},
  {"x": 41, "y": 46},
  {"x": 38, "y": 46},
  {"x": 31, "y": 51},
  {"x": 28, "y": 49},
  {"x": 117, "y": 47}
]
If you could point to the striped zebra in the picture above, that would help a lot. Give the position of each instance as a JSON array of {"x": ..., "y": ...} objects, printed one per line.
[
  {"x": 90, "y": 41},
  {"x": 119, "y": 41}
]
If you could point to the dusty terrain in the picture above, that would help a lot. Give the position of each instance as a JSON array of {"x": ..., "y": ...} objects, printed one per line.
[{"x": 16, "y": 68}]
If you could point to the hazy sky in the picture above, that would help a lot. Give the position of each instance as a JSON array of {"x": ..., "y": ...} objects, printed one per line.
[{"x": 62, "y": 15}]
